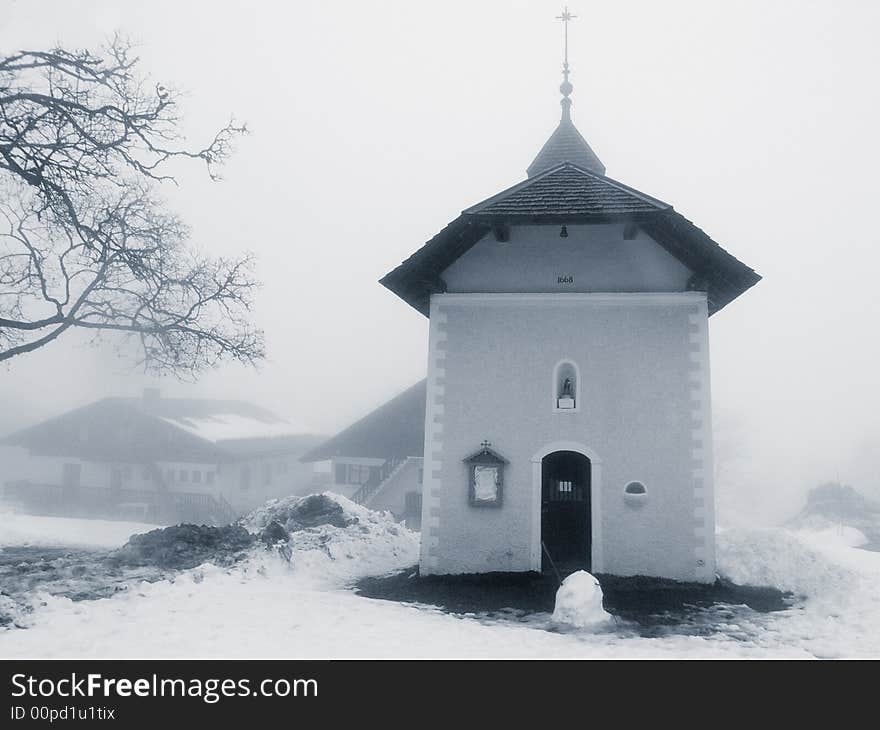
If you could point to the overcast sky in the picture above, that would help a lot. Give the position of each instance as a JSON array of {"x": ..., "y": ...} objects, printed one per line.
[{"x": 375, "y": 123}]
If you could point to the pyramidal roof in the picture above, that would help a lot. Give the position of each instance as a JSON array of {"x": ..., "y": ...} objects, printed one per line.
[
  {"x": 566, "y": 144},
  {"x": 567, "y": 184},
  {"x": 565, "y": 192},
  {"x": 571, "y": 194}
]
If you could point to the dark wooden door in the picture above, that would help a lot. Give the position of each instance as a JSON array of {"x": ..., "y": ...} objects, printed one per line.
[{"x": 565, "y": 511}]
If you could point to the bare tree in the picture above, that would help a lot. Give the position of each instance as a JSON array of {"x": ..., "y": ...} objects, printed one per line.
[{"x": 85, "y": 243}]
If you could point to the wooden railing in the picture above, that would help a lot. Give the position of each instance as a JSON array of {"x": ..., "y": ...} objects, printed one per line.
[
  {"x": 377, "y": 478},
  {"x": 227, "y": 512}
]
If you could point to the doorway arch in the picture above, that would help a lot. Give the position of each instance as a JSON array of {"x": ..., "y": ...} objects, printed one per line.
[
  {"x": 565, "y": 512},
  {"x": 566, "y": 506}
]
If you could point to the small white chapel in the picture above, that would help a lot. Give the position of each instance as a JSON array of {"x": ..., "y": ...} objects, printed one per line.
[{"x": 568, "y": 416}]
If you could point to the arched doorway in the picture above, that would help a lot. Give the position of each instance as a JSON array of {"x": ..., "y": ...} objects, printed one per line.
[{"x": 566, "y": 534}]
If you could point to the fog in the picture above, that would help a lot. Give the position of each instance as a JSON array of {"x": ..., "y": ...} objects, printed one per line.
[{"x": 375, "y": 124}]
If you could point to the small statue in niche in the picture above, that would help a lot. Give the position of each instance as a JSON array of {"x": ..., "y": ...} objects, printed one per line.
[
  {"x": 567, "y": 389},
  {"x": 565, "y": 399}
]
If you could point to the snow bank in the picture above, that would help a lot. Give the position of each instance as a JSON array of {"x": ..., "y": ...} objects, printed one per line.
[
  {"x": 19, "y": 529},
  {"x": 579, "y": 603},
  {"x": 782, "y": 559},
  {"x": 821, "y": 532},
  {"x": 265, "y": 606},
  {"x": 309, "y": 510},
  {"x": 353, "y": 542}
]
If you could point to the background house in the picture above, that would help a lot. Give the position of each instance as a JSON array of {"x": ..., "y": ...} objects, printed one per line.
[
  {"x": 156, "y": 459},
  {"x": 377, "y": 461}
]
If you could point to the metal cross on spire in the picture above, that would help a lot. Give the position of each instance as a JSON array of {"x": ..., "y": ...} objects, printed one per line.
[{"x": 566, "y": 18}]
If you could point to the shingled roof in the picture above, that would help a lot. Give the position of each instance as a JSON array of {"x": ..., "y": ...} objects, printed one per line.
[
  {"x": 394, "y": 429},
  {"x": 571, "y": 194},
  {"x": 136, "y": 430},
  {"x": 566, "y": 145},
  {"x": 567, "y": 190}
]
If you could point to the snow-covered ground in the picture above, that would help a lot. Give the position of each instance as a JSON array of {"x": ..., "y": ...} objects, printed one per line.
[
  {"x": 19, "y": 529},
  {"x": 268, "y": 607}
]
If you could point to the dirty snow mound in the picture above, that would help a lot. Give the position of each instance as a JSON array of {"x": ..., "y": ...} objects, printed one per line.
[
  {"x": 186, "y": 546},
  {"x": 333, "y": 540},
  {"x": 579, "y": 603},
  {"x": 296, "y": 513},
  {"x": 778, "y": 558}
]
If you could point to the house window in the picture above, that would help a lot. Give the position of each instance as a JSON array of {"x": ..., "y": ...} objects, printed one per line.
[
  {"x": 565, "y": 386},
  {"x": 184, "y": 475},
  {"x": 564, "y": 487},
  {"x": 197, "y": 477},
  {"x": 358, "y": 473}
]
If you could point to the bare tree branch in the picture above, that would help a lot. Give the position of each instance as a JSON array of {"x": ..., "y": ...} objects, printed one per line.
[{"x": 84, "y": 241}]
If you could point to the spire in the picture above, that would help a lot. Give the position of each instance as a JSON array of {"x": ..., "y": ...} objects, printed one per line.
[
  {"x": 566, "y": 144},
  {"x": 565, "y": 87}
]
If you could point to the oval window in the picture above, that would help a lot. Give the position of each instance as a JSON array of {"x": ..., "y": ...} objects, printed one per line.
[{"x": 635, "y": 488}]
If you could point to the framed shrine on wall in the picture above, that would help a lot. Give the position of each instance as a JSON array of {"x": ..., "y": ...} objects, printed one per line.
[{"x": 485, "y": 477}]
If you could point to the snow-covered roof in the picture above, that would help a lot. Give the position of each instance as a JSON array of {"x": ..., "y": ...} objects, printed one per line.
[
  {"x": 221, "y": 427},
  {"x": 170, "y": 429}
]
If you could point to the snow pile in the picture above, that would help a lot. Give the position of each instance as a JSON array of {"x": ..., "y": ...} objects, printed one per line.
[
  {"x": 782, "y": 559},
  {"x": 823, "y": 533},
  {"x": 333, "y": 540},
  {"x": 268, "y": 607},
  {"x": 295, "y": 513},
  {"x": 186, "y": 546},
  {"x": 20, "y": 529},
  {"x": 579, "y": 603},
  {"x": 9, "y": 611}
]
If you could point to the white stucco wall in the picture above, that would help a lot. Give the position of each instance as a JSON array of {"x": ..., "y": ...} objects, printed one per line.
[
  {"x": 596, "y": 257},
  {"x": 49, "y": 470},
  {"x": 643, "y": 411},
  {"x": 293, "y": 477}
]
